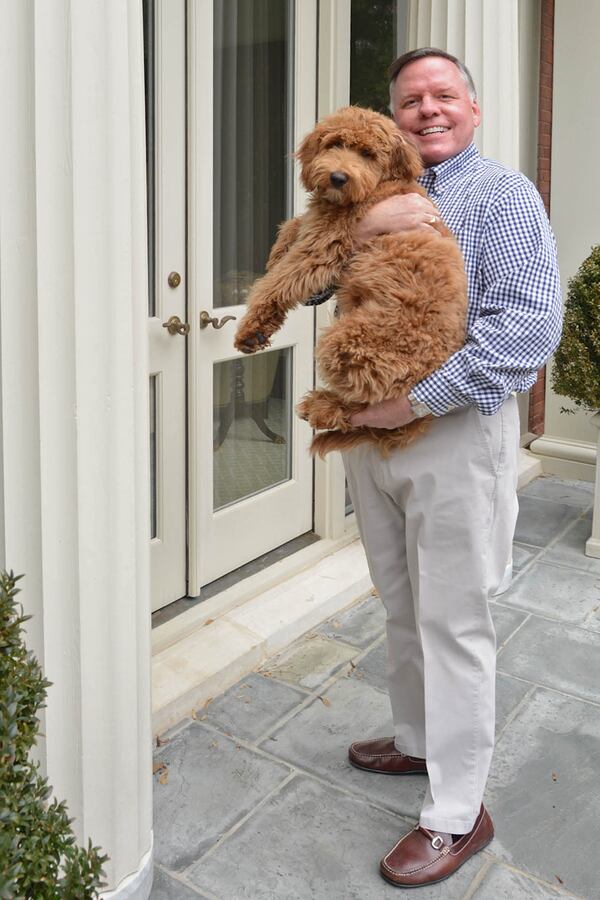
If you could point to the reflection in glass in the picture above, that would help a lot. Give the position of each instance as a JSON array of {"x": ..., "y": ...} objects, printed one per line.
[
  {"x": 374, "y": 40},
  {"x": 153, "y": 457},
  {"x": 251, "y": 425},
  {"x": 149, "y": 15},
  {"x": 252, "y": 163}
]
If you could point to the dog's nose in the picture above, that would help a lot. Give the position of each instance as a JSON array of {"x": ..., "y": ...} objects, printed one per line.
[{"x": 338, "y": 179}]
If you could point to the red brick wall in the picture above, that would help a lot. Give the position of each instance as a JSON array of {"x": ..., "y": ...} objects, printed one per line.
[{"x": 544, "y": 157}]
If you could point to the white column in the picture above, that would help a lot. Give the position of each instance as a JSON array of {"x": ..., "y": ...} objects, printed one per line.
[
  {"x": 484, "y": 34},
  {"x": 74, "y": 304}
]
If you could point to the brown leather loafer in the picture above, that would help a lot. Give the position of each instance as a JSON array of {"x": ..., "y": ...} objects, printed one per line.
[
  {"x": 381, "y": 756},
  {"x": 423, "y": 856}
]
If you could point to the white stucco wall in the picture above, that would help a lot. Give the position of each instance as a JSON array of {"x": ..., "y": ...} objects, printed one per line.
[{"x": 575, "y": 186}]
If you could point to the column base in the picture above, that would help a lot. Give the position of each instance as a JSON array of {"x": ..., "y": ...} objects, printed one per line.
[
  {"x": 592, "y": 547},
  {"x": 138, "y": 885}
]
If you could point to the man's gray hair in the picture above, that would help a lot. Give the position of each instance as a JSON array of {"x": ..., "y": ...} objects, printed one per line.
[{"x": 424, "y": 52}]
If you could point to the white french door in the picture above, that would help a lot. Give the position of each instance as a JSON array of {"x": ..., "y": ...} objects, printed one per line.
[
  {"x": 251, "y": 90},
  {"x": 231, "y": 87}
]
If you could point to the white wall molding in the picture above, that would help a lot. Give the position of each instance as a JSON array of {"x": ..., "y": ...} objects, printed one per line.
[{"x": 74, "y": 399}]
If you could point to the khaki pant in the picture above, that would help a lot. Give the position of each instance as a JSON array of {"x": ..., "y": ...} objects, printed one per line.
[{"x": 437, "y": 522}]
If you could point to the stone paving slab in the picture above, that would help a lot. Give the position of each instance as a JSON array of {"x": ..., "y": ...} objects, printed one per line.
[
  {"x": 360, "y": 625},
  {"x": 544, "y": 791},
  {"x": 523, "y": 555},
  {"x": 555, "y": 655},
  {"x": 557, "y": 592},
  {"x": 212, "y": 784},
  {"x": 506, "y": 621},
  {"x": 164, "y": 887},
  {"x": 509, "y": 693},
  {"x": 317, "y": 740},
  {"x": 252, "y": 706},
  {"x": 501, "y": 883},
  {"x": 310, "y": 662},
  {"x": 540, "y": 521},
  {"x": 573, "y": 493},
  {"x": 569, "y": 550},
  {"x": 311, "y": 842},
  {"x": 372, "y": 668}
]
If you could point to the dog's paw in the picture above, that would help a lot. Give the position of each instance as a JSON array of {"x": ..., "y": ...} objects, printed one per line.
[
  {"x": 303, "y": 409},
  {"x": 251, "y": 343},
  {"x": 252, "y": 335},
  {"x": 323, "y": 410}
]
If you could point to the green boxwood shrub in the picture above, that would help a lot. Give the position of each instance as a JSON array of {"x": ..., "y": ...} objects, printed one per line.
[
  {"x": 576, "y": 369},
  {"x": 39, "y": 858}
]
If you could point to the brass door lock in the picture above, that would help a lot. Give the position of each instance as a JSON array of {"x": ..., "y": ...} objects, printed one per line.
[{"x": 174, "y": 325}]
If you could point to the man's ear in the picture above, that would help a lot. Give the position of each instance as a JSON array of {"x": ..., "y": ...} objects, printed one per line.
[
  {"x": 305, "y": 154},
  {"x": 405, "y": 161}
]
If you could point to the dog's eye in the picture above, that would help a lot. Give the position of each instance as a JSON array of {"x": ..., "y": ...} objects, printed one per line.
[
  {"x": 335, "y": 144},
  {"x": 368, "y": 154}
]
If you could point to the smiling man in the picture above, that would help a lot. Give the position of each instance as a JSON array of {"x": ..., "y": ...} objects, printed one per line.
[{"x": 437, "y": 518}]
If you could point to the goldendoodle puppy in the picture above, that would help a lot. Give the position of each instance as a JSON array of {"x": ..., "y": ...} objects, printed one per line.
[{"x": 402, "y": 298}]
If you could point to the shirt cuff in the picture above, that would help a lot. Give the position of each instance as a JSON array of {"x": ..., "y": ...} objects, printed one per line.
[{"x": 438, "y": 394}]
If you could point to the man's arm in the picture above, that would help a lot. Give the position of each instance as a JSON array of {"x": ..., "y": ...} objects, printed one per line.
[
  {"x": 518, "y": 325},
  {"x": 520, "y": 319}
]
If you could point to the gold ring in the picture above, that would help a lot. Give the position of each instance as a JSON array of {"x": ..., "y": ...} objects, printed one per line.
[{"x": 433, "y": 220}]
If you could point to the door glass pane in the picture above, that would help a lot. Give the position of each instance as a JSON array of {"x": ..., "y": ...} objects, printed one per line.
[
  {"x": 149, "y": 14},
  {"x": 252, "y": 118},
  {"x": 252, "y": 423},
  {"x": 374, "y": 40}
]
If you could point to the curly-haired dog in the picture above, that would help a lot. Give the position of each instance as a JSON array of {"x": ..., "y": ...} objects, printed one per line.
[{"x": 402, "y": 297}]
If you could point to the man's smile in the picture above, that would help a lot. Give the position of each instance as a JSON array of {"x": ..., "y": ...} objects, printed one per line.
[{"x": 434, "y": 129}]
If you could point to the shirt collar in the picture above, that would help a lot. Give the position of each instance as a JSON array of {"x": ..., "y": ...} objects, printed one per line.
[{"x": 439, "y": 177}]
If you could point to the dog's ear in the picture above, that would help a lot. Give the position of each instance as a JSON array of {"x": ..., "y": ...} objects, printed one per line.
[
  {"x": 305, "y": 155},
  {"x": 405, "y": 160}
]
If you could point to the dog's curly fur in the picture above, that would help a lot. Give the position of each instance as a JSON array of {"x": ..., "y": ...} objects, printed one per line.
[{"x": 402, "y": 297}]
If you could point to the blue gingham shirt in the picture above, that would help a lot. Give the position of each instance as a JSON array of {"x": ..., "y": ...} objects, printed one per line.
[{"x": 515, "y": 310}]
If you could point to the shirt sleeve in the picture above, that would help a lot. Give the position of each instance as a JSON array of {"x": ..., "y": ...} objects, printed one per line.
[{"x": 518, "y": 324}]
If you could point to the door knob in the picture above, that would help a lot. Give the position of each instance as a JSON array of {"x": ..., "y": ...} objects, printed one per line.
[
  {"x": 206, "y": 319},
  {"x": 174, "y": 325}
]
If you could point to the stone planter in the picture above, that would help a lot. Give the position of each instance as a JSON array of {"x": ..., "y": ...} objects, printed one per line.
[{"x": 592, "y": 547}]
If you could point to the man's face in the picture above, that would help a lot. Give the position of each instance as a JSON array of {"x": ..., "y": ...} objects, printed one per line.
[{"x": 431, "y": 101}]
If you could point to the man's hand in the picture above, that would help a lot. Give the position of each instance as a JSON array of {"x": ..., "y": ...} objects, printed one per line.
[
  {"x": 387, "y": 414},
  {"x": 402, "y": 212}
]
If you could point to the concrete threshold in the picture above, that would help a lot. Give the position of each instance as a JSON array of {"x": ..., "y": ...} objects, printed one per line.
[
  {"x": 218, "y": 652},
  {"x": 201, "y": 653}
]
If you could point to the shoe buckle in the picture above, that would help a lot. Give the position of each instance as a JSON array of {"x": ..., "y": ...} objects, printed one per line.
[{"x": 437, "y": 842}]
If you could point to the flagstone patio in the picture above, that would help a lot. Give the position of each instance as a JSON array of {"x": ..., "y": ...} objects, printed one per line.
[{"x": 255, "y": 798}]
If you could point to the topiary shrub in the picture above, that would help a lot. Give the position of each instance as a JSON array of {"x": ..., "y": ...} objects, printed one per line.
[
  {"x": 39, "y": 859},
  {"x": 576, "y": 369}
]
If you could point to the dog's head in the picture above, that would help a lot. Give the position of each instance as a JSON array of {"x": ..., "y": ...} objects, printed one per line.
[{"x": 350, "y": 152}]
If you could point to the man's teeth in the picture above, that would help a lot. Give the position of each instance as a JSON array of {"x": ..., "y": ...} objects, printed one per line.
[{"x": 438, "y": 129}]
